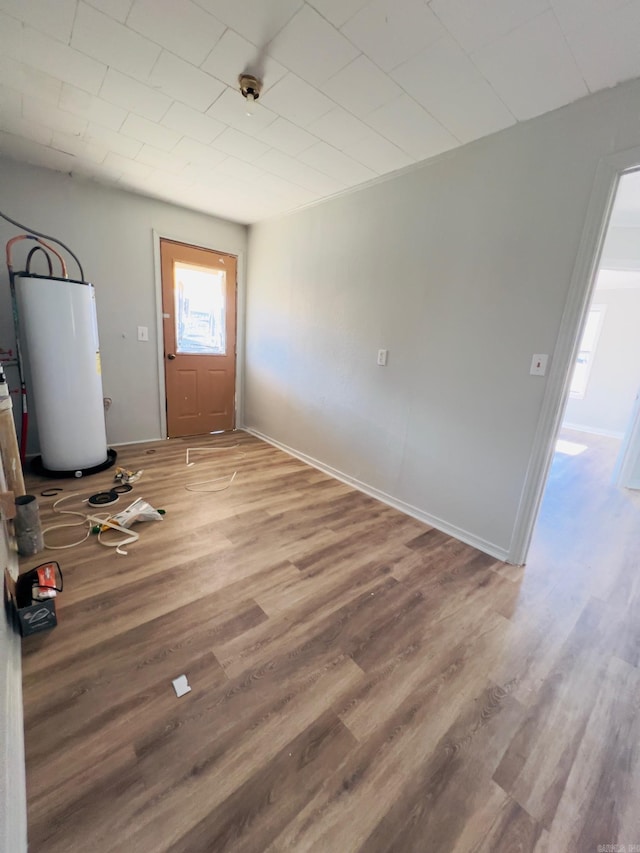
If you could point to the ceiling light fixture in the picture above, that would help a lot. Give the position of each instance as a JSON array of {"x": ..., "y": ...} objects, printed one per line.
[{"x": 250, "y": 87}]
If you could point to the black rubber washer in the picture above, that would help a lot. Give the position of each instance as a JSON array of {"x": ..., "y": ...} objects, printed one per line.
[
  {"x": 51, "y": 493},
  {"x": 122, "y": 488},
  {"x": 38, "y": 468},
  {"x": 103, "y": 498}
]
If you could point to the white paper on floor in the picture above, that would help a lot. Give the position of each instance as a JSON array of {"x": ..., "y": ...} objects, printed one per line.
[{"x": 181, "y": 685}]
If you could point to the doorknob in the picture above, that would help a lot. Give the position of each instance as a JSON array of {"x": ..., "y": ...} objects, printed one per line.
[{"x": 171, "y": 356}]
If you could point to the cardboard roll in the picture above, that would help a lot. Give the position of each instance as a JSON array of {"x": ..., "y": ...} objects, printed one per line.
[
  {"x": 122, "y": 488},
  {"x": 103, "y": 498}
]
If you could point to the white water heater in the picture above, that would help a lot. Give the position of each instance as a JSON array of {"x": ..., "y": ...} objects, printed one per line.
[{"x": 59, "y": 335}]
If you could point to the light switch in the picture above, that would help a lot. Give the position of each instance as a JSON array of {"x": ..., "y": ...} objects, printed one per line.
[
  {"x": 539, "y": 364},
  {"x": 382, "y": 357},
  {"x": 143, "y": 333}
]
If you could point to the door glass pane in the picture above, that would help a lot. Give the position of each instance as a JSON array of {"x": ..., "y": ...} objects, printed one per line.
[{"x": 199, "y": 295}]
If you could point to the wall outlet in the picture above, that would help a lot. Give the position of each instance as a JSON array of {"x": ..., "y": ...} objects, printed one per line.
[
  {"x": 143, "y": 333},
  {"x": 382, "y": 357}
]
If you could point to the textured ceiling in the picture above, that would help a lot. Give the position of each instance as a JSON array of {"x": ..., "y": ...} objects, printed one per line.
[{"x": 143, "y": 93}]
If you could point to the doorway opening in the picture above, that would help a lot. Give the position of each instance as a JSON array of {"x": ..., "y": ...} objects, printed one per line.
[
  {"x": 199, "y": 296},
  {"x": 594, "y": 480}
]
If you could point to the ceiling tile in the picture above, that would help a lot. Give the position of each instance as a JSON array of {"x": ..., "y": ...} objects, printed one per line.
[
  {"x": 606, "y": 47},
  {"x": 284, "y": 188},
  {"x": 184, "y": 82},
  {"x": 118, "y": 166},
  {"x": 338, "y": 11},
  {"x": 475, "y": 23},
  {"x": 286, "y": 136},
  {"x": 390, "y": 32},
  {"x": 238, "y": 169},
  {"x": 54, "y": 19},
  {"x": 173, "y": 183},
  {"x": 339, "y": 128},
  {"x": 199, "y": 174},
  {"x": 338, "y": 165},
  {"x": 379, "y": 154},
  {"x": 449, "y": 86},
  {"x": 189, "y": 122},
  {"x": 118, "y": 9},
  {"x": 11, "y": 37},
  {"x": 124, "y": 145},
  {"x": 134, "y": 96},
  {"x": 29, "y": 81},
  {"x": 230, "y": 108},
  {"x": 102, "y": 38},
  {"x": 183, "y": 28},
  {"x": 143, "y": 182},
  {"x": 28, "y": 151},
  {"x": 150, "y": 132},
  {"x": 296, "y": 100},
  {"x": 198, "y": 153},
  {"x": 90, "y": 107},
  {"x": 361, "y": 87},
  {"x": 89, "y": 152},
  {"x": 61, "y": 61},
  {"x": 532, "y": 68},
  {"x": 311, "y": 47},
  {"x": 238, "y": 144},
  {"x": 255, "y": 20},
  {"x": 574, "y": 14},
  {"x": 26, "y": 128},
  {"x": 299, "y": 173},
  {"x": 410, "y": 127},
  {"x": 10, "y": 102},
  {"x": 234, "y": 55},
  {"x": 34, "y": 109},
  {"x": 229, "y": 185},
  {"x": 157, "y": 159}
]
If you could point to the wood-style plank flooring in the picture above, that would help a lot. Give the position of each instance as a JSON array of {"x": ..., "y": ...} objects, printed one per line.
[{"x": 360, "y": 681}]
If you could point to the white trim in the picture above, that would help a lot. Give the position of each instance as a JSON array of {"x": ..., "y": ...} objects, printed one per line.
[
  {"x": 574, "y": 316},
  {"x": 220, "y": 246},
  {"x": 157, "y": 274},
  {"x": 607, "y": 433},
  {"x": 13, "y": 789},
  {"x": 413, "y": 511}
]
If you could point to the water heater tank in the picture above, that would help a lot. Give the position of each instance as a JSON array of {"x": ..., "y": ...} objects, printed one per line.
[{"x": 59, "y": 332}]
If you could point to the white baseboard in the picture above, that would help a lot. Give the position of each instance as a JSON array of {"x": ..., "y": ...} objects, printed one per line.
[
  {"x": 607, "y": 433},
  {"x": 138, "y": 441},
  {"x": 408, "y": 509}
]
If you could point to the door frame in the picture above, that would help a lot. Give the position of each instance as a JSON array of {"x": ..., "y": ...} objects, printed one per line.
[
  {"x": 224, "y": 247},
  {"x": 556, "y": 394}
]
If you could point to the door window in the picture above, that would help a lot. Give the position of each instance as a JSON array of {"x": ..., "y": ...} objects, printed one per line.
[{"x": 199, "y": 298}]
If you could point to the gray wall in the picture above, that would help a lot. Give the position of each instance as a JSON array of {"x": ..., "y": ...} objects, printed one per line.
[
  {"x": 111, "y": 232},
  {"x": 614, "y": 379},
  {"x": 461, "y": 268},
  {"x": 13, "y": 807}
]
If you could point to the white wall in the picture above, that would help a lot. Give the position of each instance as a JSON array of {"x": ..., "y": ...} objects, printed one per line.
[
  {"x": 461, "y": 268},
  {"x": 614, "y": 379},
  {"x": 621, "y": 250},
  {"x": 111, "y": 232}
]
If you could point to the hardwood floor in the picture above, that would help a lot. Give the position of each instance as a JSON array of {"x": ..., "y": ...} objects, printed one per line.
[{"x": 360, "y": 682}]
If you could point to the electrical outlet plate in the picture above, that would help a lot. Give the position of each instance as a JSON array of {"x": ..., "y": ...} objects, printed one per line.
[
  {"x": 539, "y": 364},
  {"x": 382, "y": 357}
]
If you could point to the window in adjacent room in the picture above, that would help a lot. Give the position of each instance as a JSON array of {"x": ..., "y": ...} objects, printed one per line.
[{"x": 586, "y": 352}]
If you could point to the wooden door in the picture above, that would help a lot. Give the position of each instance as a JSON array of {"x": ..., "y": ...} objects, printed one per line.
[{"x": 199, "y": 324}]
